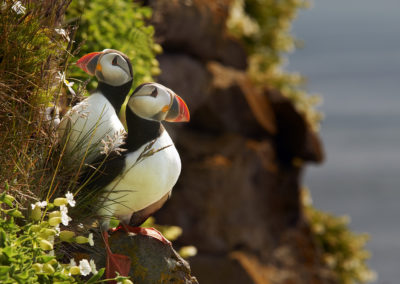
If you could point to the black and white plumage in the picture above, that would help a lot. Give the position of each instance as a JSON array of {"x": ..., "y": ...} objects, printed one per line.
[
  {"x": 137, "y": 183},
  {"x": 90, "y": 121}
]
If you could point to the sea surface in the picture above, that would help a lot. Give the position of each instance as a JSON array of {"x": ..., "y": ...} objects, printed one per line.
[{"x": 352, "y": 57}]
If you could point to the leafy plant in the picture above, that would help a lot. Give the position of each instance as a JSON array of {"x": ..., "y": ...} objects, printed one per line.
[
  {"x": 25, "y": 251},
  {"x": 343, "y": 251}
]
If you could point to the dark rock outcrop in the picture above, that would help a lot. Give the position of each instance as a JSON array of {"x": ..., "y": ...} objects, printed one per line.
[
  {"x": 152, "y": 261},
  {"x": 197, "y": 28},
  {"x": 238, "y": 197}
]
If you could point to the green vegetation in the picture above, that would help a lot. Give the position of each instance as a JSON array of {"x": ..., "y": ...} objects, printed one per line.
[
  {"x": 342, "y": 250},
  {"x": 118, "y": 25},
  {"x": 31, "y": 51},
  {"x": 264, "y": 27},
  {"x": 26, "y": 251}
]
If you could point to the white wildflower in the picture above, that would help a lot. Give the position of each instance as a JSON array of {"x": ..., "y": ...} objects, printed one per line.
[
  {"x": 80, "y": 225},
  {"x": 84, "y": 266},
  {"x": 63, "y": 33},
  {"x": 58, "y": 230},
  {"x": 70, "y": 199},
  {"x": 64, "y": 215},
  {"x": 39, "y": 204},
  {"x": 61, "y": 77},
  {"x": 90, "y": 239},
  {"x": 93, "y": 266},
  {"x": 18, "y": 8},
  {"x": 72, "y": 262}
]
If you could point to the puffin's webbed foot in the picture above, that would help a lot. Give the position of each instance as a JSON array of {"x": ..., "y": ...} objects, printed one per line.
[
  {"x": 150, "y": 232},
  {"x": 115, "y": 262}
]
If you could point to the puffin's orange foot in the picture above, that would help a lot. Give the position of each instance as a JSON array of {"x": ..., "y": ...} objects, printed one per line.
[
  {"x": 115, "y": 262},
  {"x": 151, "y": 232}
]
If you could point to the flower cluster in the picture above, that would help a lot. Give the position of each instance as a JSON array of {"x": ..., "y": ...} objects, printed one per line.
[
  {"x": 18, "y": 8},
  {"x": 84, "y": 268},
  {"x": 61, "y": 75},
  {"x": 51, "y": 228}
]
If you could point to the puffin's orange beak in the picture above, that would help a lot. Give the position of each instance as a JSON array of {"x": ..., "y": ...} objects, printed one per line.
[
  {"x": 178, "y": 111},
  {"x": 88, "y": 62}
]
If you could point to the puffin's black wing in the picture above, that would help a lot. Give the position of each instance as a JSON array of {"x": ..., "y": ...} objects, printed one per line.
[
  {"x": 104, "y": 170},
  {"x": 95, "y": 178}
]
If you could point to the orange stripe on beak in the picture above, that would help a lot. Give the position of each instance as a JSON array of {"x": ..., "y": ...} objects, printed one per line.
[
  {"x": 87, "y": 61},
  {"x": 179, "y": 111}
]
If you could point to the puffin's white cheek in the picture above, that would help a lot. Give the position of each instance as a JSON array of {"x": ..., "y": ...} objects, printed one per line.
[
  {"x": 143, "y": 107},
  {"x": 115, "y": 77}
]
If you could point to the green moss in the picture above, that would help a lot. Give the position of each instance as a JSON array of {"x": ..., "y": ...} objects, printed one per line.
[
  {"x": 264, "y": 27},
  {"x": 343, "y": 251},
  {"x": 117, "y": 25}
]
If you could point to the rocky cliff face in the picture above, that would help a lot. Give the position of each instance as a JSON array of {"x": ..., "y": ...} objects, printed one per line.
[{"x": 238, "y": 197}]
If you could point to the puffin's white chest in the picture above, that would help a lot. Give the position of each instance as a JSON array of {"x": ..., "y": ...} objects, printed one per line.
[
  {"x": 144, "y": 181},
  {"x": 86, "y": 124}
]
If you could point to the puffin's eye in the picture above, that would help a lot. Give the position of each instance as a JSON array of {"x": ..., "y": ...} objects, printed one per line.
[
  {"x": 115, "y": 61},
  {"x": 154, "y": 93}
]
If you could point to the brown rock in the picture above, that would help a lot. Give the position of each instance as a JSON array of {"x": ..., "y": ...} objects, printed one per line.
[
  {"x": 187, "y": 76},
  {"x": 232, "y": 104},
  {"x": 197, "y": 28},
  {"x": 218, "y": 269},
  {"x": 294, "y": 138},
  {"x": 153, "y": 262},
  {"x": 222, "y": 195},
  {"x": 257, "y": 104}
]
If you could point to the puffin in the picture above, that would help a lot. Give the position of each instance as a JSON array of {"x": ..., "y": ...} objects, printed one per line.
[
  {"x": 134, "y": 184},
  {"x": 137, "y": 182},
  {"x": 90, "y": 121}
]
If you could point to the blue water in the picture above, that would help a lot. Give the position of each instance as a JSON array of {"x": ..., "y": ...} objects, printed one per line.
[{"x": 352, "y": 57}]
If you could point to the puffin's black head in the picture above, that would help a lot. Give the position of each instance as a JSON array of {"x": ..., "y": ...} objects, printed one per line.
[
  {"x": 109, "y": 66},
  {"x": 153, "y": 101}
]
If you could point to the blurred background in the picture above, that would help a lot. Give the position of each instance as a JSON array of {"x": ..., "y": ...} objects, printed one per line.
[{"x": 352, "y": 57}]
